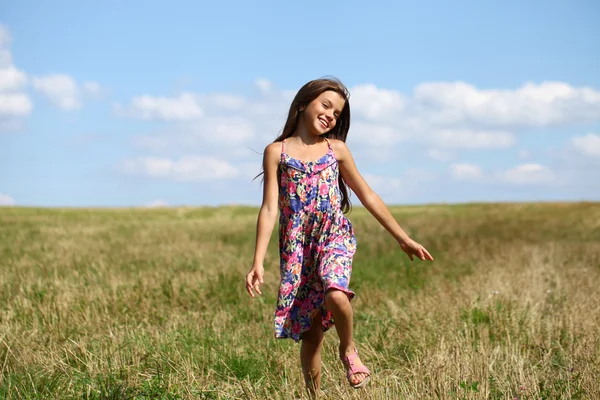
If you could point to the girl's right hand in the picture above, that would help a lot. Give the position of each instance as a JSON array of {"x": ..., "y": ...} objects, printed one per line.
[
  {"x": 412, "y": 248},
  {"x": 254, "y": 279}
]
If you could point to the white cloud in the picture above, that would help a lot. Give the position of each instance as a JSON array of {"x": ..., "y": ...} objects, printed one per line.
[
  {"x": 545, "y": 104},
  {"x": 6, "y": 200},
  {"x": 60, "y": 89},
  {"x": 92, "y": 87},
  {"x": 223, "y": 130},
  {"x": 207, "y": 132},
  {"x": 11, "y": 78},
  {"x": 438, "y": 122},
  {"x": 156, "y": 204},
  {"x": 588, "y": 145},
  {"x": 374, "y": 103},
  {"x": 187, "y": 168},
  {"x": 238, "y": 122},
  {"x": 441, "y": 155},
  {"x": 464, "y": 139},
  {"x": 377, "y": 135},
  {"x": 466, "y": 171},
  {"x": 14, "y": 104},
  {"x": 443, "y": 116},
  {"x": 264, "y": 85},
  {"x": 458, "y": 106},
  {"x": 456, "y": 115},
  {"x": 185, "y": 107},
  {"x": 527, "y": 174}
]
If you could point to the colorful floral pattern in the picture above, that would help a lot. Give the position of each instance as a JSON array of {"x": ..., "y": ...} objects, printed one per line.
[{"x": 316, "y": 243}]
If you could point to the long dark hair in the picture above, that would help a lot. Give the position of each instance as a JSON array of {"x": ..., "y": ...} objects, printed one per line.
[{"x": 307, "y": 94}]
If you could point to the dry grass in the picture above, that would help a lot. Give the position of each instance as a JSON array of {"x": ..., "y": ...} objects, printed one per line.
[{"x": 149, "y": 304}]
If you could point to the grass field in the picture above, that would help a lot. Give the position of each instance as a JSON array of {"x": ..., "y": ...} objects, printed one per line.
[{"x": 150, "y": 304}]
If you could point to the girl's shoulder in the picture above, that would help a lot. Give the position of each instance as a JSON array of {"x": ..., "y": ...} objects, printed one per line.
[
  {"x": 339, "y": 148},
  {"x": 274, "y": 148},
  {"x": 337, "y": 143},
  {"x": 272, "y": 153}
]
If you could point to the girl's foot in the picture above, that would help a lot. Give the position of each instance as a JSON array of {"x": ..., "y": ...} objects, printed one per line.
[{"x": 357, "y": 373}]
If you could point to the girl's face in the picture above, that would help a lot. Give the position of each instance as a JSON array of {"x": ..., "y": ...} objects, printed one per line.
[{"x": 321, "y": 114}]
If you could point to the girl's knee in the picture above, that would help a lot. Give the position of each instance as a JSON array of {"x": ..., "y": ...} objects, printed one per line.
[{"x": 336, "y": 296}]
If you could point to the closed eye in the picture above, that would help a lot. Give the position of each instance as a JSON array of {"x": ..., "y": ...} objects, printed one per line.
[{"x": 336, "y": 115}]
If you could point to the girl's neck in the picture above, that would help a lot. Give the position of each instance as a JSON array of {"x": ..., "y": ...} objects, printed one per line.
[{"x": 306, "y": 138}]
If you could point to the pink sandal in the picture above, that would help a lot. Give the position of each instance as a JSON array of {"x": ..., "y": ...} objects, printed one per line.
[{"x": 353, "y": 369}]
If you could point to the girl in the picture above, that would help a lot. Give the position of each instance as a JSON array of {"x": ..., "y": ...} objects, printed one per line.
[{"x": 306, "y": 171}]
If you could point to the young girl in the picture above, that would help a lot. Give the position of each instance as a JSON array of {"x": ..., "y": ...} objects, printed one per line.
[{"x": 306, "y": 171}]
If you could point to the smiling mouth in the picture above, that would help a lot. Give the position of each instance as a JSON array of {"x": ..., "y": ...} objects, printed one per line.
[{"x": 325, "y": 124}]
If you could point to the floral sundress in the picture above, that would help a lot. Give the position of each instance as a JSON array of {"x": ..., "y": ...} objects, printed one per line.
[{"x": 316, "y": 243}]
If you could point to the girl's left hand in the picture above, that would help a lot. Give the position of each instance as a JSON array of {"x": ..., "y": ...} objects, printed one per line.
[{"x": 412, "y": 248}]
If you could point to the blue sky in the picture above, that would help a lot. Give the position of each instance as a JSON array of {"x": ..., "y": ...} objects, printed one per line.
[{"x": 153, "y": 103}]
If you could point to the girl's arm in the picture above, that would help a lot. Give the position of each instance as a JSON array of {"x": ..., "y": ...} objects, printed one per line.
[
  {"x": 267, "y": 216},
  {"x": 373, "y": 202}
]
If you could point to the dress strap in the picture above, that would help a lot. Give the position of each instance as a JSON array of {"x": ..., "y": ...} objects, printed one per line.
[
  {"x": 329, "y": 145},
  {"x": 283, "y": 146}
]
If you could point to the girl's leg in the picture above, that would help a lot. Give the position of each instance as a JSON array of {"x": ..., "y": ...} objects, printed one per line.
[
  {"x": 338, "y": 303},
  {"x": 310, "y": 356}
]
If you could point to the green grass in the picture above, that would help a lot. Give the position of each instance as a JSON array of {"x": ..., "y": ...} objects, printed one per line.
[{"x": 150, "y": 304}]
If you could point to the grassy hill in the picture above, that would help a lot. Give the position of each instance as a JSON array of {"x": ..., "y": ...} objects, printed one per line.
[{"x": 150, "y": 303}]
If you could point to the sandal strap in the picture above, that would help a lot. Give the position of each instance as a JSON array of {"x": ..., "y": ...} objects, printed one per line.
[
  {"x": 354, "y": 369},
  {"x": 357, "y": 370}
]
